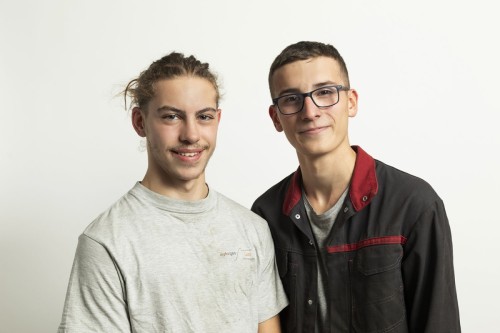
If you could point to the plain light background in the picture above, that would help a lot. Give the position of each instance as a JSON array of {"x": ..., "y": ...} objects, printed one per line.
[{"x": 426, "y": 72}]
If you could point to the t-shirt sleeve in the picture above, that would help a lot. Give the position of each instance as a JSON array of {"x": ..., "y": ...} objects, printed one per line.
[
  {"x": 272, "y": 297},
  {"x": 95, "y": 300}
]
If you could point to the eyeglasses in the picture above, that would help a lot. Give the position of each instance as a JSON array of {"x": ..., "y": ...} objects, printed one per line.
[{"x": 322, "y": 97}]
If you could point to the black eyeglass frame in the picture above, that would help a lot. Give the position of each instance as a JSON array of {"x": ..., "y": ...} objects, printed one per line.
[{"x": 339, "y": 88}]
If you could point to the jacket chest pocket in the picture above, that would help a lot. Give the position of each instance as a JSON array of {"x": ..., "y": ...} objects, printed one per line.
[{"x": 377, "y": 298}]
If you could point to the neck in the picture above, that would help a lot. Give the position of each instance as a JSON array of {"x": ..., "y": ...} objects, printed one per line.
[
  {"x": 326, "y": 177},
  {"x": 190, "y": 190}
]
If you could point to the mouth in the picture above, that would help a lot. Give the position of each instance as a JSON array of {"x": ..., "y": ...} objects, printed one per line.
[
  {"x": 188, "y": 154},
  {"x": 192, "y": 154},
  {"x": 313, "y": 130}
]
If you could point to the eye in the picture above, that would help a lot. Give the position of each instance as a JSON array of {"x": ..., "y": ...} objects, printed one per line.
[
  {"x": 170, "y": 116},
  {"x": 290, "y": 99},
  {"x": 205, "y": 117},
  {"x": 324, "y": 92}
]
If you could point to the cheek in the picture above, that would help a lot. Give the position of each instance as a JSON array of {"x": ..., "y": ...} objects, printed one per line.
[
  {"x": 288, "y": 127},
  {"x": 290, "y": 132},
  {"x": 210, "y": 133},
  {"x": 163, "y": 138},
  {"x": 338, "y": 115}
]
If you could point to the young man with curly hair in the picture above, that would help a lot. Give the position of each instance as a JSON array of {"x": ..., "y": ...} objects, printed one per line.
[{"x": 173, "y": 255}]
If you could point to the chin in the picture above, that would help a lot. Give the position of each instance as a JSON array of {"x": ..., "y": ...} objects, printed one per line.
[
  {"x": 190, "y": 175},
  {"x": 316, "y": 152}
]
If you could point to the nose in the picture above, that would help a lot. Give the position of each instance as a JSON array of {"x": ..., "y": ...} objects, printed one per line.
[
  {"x": 190, "y": 132},
  {"x": 310, "y": 110}
]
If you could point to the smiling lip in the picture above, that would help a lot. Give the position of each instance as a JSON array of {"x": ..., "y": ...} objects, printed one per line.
[
  {"x": 187, "y": 155},
  {"x": 312, "y": 130}
]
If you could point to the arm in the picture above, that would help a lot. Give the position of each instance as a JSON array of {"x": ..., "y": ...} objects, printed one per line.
[
  {"x": 95, "y": 298},
  {"x": 428, "y": 276},
  {"x": 272, "y": 325},
  {"x": 272, "y": 297}
]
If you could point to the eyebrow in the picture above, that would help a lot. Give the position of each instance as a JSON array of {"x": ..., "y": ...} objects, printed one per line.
[
  {"x": 315, "y": 86},
  {"x": 176, "y": 110}
]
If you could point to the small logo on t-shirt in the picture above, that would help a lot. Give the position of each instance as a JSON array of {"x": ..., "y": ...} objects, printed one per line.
[
  {"x": 228, "y": 253},
  {"x": 246, "y": 254},
  {"x": 240, "y": 254}
]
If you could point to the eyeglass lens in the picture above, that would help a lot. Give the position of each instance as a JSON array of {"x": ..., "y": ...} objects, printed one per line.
[{"x": 322, "y": 97}]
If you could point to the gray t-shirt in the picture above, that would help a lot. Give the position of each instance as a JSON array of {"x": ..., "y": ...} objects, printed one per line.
[
  {"x": 321, "y": 225},
  {"x": 154, "y": 264}
]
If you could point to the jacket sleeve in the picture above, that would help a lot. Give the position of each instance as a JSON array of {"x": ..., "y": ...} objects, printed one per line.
[
  {"x": 429, "y": 281},
  {"x": 95, "y": 300}
]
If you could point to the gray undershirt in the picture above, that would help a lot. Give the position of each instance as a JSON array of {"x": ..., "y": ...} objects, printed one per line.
[{"x": 321, "y": 226}]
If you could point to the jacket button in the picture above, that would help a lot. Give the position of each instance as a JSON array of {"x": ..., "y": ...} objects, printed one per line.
[
  {"x": 311, "y": 242},
  {"x": 364, "y": 198},
  {"x": 346, "y": 209},
  {"x": 297, "y": 216},
  {"x": 310, "y": 302}
]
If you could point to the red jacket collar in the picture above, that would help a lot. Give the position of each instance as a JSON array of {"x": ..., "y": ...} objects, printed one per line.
[{"x": 363, "y": 187}]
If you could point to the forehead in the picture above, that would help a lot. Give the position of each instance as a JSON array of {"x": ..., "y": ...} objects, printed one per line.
[
  {"x": 184, "y": 92},
  {"x": 302, "y": 75}
]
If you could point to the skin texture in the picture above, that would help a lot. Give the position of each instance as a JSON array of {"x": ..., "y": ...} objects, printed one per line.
[
  {"x": 272, "y": 325},
  {"x": 180, "y": 126},
  {"x": 319, "y": 135}
]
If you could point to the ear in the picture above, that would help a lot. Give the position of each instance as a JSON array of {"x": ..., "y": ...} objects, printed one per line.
[
  {"x": 138, "y": 120},
  {"x": 219, "y": 112},
  {"x": 352, "y": 102},
  {"x": 273, "y": 113}
]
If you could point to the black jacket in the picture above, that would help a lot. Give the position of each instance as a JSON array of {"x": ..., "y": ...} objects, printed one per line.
[{"x": 389, "y": 261}]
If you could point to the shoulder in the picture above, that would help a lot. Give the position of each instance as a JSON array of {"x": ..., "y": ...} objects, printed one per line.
[
  {"x": 274, "y": 194},
  {"x": 241, "y": 220},
  {"x": 398, "y": 183},
  {"x": 115, "y": 219},
  {"x": 231, "y": 207}
]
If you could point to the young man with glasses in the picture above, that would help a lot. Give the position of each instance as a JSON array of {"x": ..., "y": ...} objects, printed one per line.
[
  {"x": 173, "y": 255},
  {"x": 360, "y": 245}
]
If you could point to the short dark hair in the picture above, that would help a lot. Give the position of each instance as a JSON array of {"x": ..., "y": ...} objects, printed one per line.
[
  {"x": 305, "y": 50},
  {"x": 173, "y": 65}
]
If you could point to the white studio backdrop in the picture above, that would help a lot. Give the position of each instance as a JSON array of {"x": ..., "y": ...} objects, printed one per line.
[{"x": 426, "y": 72}]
